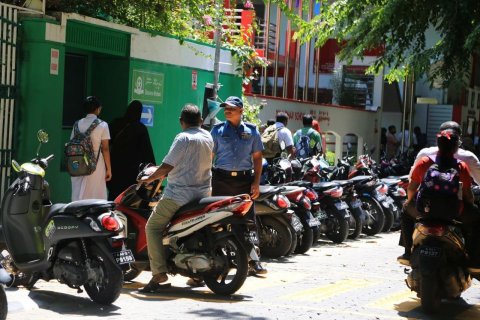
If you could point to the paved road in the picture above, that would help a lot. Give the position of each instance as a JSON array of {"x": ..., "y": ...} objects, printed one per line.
[{"x": 355, "y": 280}]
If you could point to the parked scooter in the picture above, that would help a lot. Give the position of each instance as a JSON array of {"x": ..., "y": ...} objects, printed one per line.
[
  {"x": 204, "y": 240},
  {"x": 73, "y": 243},
  {"x": 277, "y": 226},
  {"x": 438, "y": 263}
]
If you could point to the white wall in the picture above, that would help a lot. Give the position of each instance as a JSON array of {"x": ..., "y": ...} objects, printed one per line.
[{"x": 342, "y": 120}]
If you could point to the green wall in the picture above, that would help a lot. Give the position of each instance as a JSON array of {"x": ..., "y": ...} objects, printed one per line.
[
  {"x": 110, "y": 77},
  {"x": 177, "y": 92},
  {"x": 40, "y": 100}
]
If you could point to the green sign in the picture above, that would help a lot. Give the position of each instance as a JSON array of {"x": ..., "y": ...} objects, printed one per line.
[{"x": 147, "y": 86}]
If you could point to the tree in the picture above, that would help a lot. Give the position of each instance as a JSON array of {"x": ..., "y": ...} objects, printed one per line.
[{"x": 399, "y": 27}]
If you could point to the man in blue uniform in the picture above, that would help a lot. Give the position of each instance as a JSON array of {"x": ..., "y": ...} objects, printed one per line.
[
  {"x": 237, "y": 160},
  {"x": 237, "y": 164}
]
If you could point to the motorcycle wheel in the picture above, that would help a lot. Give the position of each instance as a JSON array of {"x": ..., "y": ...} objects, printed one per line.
[
  {"x": 108, "y": 290},
  {"x": 294, "y": 244},
  {"x": 389, "y": 219},
  {"x": 230, "y": 251},
  {"x": 429, "y": 294},
  {"x": 357, "y": 230},
  {"x": 375, "y": 217},
  {"x": 3, "y": 303},
  {"x": 305, "y": 240},
  {"x": 275, "y": 238},
  {"x": 337, "y": 227},
  {"x": 131, "y": 273}
]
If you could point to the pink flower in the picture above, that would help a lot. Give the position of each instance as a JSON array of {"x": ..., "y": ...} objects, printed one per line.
[
  {"x": 248, "y": 5},
  {"x": 207, "y": 20}
]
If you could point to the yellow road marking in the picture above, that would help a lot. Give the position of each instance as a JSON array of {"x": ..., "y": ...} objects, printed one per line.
[
  {"x": 404, "y": 301},
  {"x": 328, "y": 291}
]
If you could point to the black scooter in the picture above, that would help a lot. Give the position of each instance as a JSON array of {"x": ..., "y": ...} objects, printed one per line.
[{"x": 74, "y": 243}]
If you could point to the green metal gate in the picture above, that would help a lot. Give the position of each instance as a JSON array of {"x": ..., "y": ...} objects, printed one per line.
[{"x": 8, "y": 68}]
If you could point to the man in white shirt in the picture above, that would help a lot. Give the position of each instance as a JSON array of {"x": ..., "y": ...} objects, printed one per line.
[{"x": 284, "y": 134}]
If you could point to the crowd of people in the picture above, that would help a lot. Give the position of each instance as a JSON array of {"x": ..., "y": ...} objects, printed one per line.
[
  {"x": 228, "y": 161},
  {"x": 391, "y": 141}
]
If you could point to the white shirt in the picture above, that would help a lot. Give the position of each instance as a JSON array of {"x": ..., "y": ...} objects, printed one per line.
[
  {"x": 468, "y": 157},
  {"x": 284, "y": 134},
  {"x": 94, "y": 185}
]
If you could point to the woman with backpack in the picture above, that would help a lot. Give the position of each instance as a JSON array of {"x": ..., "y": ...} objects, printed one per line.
[
  {"x": 92, "y": 185},
  {"x": 434, "y": 186}
]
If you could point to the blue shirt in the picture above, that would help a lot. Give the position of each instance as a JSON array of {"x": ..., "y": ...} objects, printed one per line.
[{"x": 233, "y": 147}]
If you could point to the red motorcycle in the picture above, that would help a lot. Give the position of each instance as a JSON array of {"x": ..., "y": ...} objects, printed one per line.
[{"x": 202, "y": 240}]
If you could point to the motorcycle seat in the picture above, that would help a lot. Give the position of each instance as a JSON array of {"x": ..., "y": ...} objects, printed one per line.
[
  {"x": 267, "y": 191},
  {"x": 198, "y": 204},
  {"x": 322, "y": 186},
  {"x": 360, "y": 179},
  {"x": 81, "y": 207},
  {"x": 343, "y": 183},
  {"x": 390, "y": 181},
  {"x": 299, "y": 183}
]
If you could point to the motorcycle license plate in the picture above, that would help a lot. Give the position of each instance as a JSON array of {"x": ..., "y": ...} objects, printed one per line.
[
  {"x": 251, "y": 237},
  {"x": 356, "y": 204},
  {"x": 321, "y": 215},
  {"x": 296, "y": 223},
  {"x": 341, "y": 205},
  {"x": 313, "y": 222},
  {"x": 124, "y": 257},
  {"x": 386, "y": 204},
  {"x": 431, "y": 252},
  {"x": 380, "y": 197}
]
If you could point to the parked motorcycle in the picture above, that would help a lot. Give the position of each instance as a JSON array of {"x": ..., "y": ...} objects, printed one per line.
[
  {"x": 438, "y": 263},
  {"x": 74, "y": 243},
  {"x": 302, "y": 206},
  {"x": 277, "y": 226},
  {"x": 333, "y": 212}
]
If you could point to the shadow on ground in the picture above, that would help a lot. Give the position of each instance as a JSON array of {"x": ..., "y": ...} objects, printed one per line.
[
  {"x": 174, "y": 293},
  {"x": 449, "y": 310}
]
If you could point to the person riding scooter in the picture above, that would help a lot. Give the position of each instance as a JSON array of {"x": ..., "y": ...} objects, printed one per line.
[
  {"x": 187, "y": 164},
  {"x": 424, "y": 176}
]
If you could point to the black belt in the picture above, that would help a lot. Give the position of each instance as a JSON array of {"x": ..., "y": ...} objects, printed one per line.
[{"x": 234, "y": 173}]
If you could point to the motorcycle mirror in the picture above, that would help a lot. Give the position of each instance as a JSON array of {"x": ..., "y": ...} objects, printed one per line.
[
  {"x": 349, "y": 146},
  {"x": 282, "y": 145},
  {"x": 16, "y": 166},
  {"x": 42, "y": 136}
]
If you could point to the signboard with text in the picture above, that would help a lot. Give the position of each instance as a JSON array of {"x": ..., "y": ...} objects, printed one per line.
[{"x": 147, "y": 86}]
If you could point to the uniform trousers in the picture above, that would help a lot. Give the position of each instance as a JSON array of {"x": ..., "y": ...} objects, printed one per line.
[{"x": 227, "y": 185}]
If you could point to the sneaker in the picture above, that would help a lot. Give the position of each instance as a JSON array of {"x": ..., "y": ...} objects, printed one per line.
[
  {"x": 404, "y": 259},
  {"x": 257, "y": 268},
  {"x": 195, "y": 283}
]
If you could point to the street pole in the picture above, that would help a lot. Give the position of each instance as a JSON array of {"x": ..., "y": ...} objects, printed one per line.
[{"x": 218, "y": 43}]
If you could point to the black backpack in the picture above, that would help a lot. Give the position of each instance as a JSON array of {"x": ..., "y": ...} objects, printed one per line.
[{"x": 437, "y": 196}]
